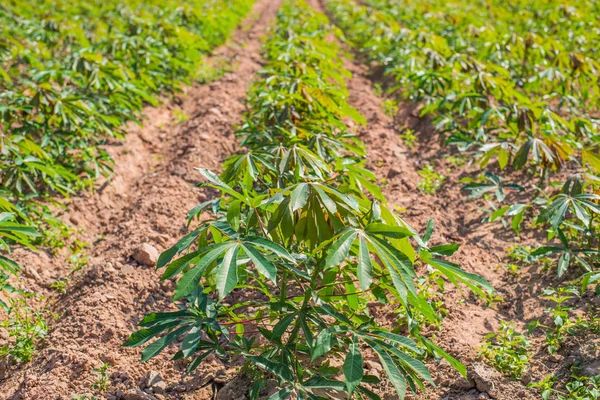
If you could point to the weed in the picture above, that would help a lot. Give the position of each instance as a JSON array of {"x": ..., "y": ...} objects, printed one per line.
[
  {"x": 102, "y": 379},
  {"x": 390, "y": 107},
  {"x": 431, "y": 181},
  {"x": 60, "y": 285},
  {"x": 26, "y": 326},
  {"x": 507, "y": 350},
  {"x": 179, "y": 116},
  {"x": 409, "y": 138}
]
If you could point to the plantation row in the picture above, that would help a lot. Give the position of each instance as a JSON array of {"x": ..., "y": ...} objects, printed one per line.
[
  {"x": 511, "y": 87},
  {"x": 300, "y": 240},
  {"x": 71, "y": 75},
  {"x": 500, "y": 95}
]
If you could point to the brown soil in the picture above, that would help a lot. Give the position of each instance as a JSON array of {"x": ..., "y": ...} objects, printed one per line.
[{"x": 146, "y": 201}]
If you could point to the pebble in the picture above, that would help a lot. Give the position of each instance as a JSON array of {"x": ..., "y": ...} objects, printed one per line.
[
  {"x": 146, "y": 254},
  {"x": 127, "y": 269}
]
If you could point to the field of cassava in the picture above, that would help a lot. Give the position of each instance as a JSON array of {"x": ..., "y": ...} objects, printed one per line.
[{"x": 299, "y": 199}]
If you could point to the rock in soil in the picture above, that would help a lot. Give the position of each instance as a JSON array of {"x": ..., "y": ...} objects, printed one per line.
[
  {"x": 156, "y": 382},
  {"x": 485, "y": 378},
  {"x": 146, "y": 254}
]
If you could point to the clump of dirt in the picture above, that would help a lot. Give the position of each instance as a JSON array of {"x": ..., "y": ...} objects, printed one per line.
[{"x": 139, "y": 211}]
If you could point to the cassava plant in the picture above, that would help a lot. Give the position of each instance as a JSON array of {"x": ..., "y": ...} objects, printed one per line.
[{"x": 300, "y": 240}]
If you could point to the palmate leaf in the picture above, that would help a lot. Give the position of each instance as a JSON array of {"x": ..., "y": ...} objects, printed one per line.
[
  {"x": 280, "y": 370},
  {"x": 190, "y": 280},
  {"x": 580, "y": 204},
  {"x": 495, "y": 185},
  {"x": 392, "y": 260},
  {"x": 364, "y": 268},
  {"x": 225, "y": 255}
]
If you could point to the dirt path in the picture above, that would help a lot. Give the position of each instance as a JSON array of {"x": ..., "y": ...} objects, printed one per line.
[{"x": 145, "y": 201}]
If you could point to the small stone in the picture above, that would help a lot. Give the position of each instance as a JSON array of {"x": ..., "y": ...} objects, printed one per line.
[
  {"x": 373, "y": 366},
  {"x": 137, "y": 395},
  {"x": 155, "y": 382},
  {"x": 215, "y": 111},
  {"x": 146, "y": 254},
  {"x": 526, "y": 378},
  {"x": 485, "y": 379},
  {"x": 159, "y": 387},
  {"x": 221, "y": 377},
  {"x": 127, "y": 269},
  {"x": 555, "y": 358},
  {"x": 591, "y": 369},
  {"x": 32, "y": 273},
  {"x": 393, "y": 173},
  {"x": 108, "y": 268},
  {"x": 179, "y": 388}
]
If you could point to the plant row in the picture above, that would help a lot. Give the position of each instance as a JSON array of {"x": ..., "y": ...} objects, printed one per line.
[
  {"x": 71, "y": 75},
  {"x": 503, "y": 94},
  {"x": 513, "y": 86},
  {"x": 300, "y": 241}
]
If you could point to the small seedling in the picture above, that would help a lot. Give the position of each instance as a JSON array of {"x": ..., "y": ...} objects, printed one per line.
[
  {"x": 431, "y": 181},
  {"x": 507, "y": 350}
]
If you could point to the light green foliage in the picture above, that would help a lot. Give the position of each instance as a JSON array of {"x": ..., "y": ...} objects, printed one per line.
[
  {"x": 179, "y": 116},
  {"x": 26, "y": 327},
  {"x": 563, "y": 322},
  {"x": 507, "y": 350},
  {"x": 577, "y": 387},
  {"x": 390, "y": 108},
  {"x": 300, "y": 241},
  {"x": 409, "y": 138},
  {"x": 102, "y": 379},
  {"x": 60, "y": 285},
  {"x": 505, "y": 87},
  {"x": 71, "y": 74},
  {"x": 431, "y": 180}
]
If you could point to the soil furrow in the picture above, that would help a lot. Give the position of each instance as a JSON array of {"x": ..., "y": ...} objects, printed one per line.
[{"x": 145, "y": 201}]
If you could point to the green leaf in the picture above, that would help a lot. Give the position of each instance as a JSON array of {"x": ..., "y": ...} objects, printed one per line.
[
  {"x": 156, "y": 347},
  {"x": 227, "y": 277},
  {"x": 264, "y": 266},
  {"x": 143, "y": 335},
  {"x": 274, "y": 247},
  {"x": 353, "y": 367},
  {"x": 396, "y": 232},
  {"x": 178, "y": 265},
  {"x": 189, "y": 281},
  {"x": 282, "y": 394},
  {"x": 338, "y": 251},
  {"x": 234, "y": 216},
  {"x": 393, "y": 372},
  {"x": 281, "y": 326},
  {"x": 299, "y": 196},
  {"x": 364, "y": 266},
  {"x": 278, "y": 369},
  {"x": 563, "y": 263},
  {"x": 183, "y": 243},
  {"x": 323, "y": 344},
  {"x": 439, "y": 352}
]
